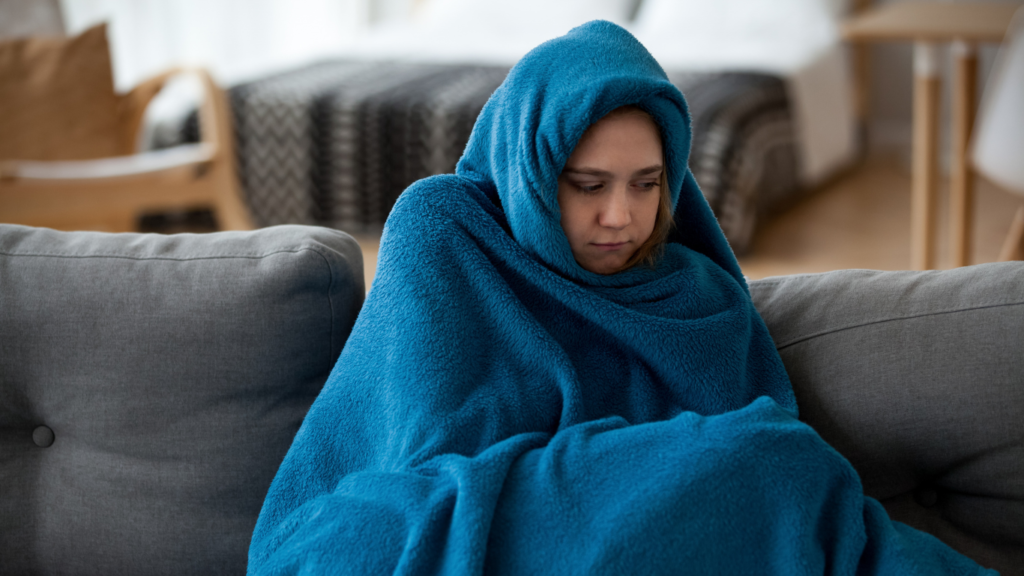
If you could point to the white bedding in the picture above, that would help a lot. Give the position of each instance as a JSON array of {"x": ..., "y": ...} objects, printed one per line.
[
  {"x": 484, "y": 31},
  {"x": 795, "y": 39}
]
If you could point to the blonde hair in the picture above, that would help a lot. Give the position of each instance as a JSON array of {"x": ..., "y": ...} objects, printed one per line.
[{"x": 649, "y": 252}]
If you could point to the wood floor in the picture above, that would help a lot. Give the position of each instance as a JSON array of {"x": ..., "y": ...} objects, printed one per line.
[{"x": 861, "y": 220}]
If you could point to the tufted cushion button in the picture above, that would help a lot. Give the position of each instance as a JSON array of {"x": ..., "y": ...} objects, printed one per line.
[
  {"x": 926, "y": 496},
  {"x": 42, "y": 436}
]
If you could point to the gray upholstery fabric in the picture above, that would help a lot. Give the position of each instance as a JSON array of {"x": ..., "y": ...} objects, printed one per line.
[
  {"x": 150, "y": 386},
  {"x": 918, "y": 379}
]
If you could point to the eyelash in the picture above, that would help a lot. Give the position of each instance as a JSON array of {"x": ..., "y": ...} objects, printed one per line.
[
  {"x": 592, "y": 189},
  {"x": 588, "y": 189}
]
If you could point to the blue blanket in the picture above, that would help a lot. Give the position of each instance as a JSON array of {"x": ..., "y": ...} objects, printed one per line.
[{"x": 497, "y": 408}]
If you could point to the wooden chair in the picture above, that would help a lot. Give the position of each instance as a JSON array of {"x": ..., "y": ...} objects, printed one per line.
[{"x": 110, "y": 193}]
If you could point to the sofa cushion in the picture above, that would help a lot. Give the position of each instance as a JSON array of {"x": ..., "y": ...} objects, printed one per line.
[
  {"x": 150, "y": 386},
  {"x": 918, "y": 379}
]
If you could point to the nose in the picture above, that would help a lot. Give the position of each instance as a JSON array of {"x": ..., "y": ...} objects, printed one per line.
[{"x": 615, "y": 211}]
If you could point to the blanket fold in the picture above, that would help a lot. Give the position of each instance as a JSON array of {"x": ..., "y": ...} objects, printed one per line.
[{"x": 499, "y": 409}]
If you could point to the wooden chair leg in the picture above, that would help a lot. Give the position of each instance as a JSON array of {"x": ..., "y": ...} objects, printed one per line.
[
  {"x": 1013, "y": 247},
  {"x": 228, "y": 206},
  {"x": 230, "y": 210}
]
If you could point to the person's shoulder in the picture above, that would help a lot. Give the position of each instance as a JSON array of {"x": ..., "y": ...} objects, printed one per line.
[
  {"x": 439, "y": 184},
  {"x": 444, "y": 197},
  {"x": 433, "y": 193},
  {"x": 437, "y": 225}
]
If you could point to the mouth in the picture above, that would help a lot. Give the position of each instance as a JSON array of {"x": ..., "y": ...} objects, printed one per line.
[{"x": 609, "y": 246}]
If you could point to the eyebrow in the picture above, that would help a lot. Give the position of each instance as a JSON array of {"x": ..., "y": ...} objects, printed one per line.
[{"x": 605, "y": 173}]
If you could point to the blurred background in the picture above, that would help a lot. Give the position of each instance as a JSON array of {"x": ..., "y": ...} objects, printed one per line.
[{"x": 329, "y": 108}]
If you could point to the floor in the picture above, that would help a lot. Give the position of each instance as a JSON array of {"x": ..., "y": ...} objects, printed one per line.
[{"x": 860, "y": 220}]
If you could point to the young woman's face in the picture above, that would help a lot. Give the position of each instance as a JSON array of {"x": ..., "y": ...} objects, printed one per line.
[{"x": 609, "y": 191}]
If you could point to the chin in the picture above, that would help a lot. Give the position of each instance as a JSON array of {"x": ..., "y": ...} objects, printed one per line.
[{"x": 605, "y": 268}]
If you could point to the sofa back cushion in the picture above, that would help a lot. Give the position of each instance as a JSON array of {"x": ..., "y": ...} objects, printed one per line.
[
  {"x": 918, "y": 379},
  {"x": 150, "y": 386},
  {"x": 57, "y": 99}
]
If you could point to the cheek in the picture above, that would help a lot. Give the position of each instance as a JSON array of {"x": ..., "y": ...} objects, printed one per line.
[
  {"x": 649, "y": 212},
  {"x": 573, "y": 217}
]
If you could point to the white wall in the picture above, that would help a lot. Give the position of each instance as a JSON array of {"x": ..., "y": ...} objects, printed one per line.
[{"x": 235, "y": 39}]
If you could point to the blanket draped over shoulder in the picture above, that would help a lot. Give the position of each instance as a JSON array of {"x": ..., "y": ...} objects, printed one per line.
[{"x": 499, "y": 409}]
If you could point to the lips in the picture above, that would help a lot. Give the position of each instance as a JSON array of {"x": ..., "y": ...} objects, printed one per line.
[{"x": 610, "y": 246}]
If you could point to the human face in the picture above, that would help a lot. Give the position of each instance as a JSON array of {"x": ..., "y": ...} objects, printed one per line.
[{"x": 609, "y": 191}]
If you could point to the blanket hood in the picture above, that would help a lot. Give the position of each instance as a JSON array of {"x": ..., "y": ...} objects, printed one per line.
[{"x": 531, "y": 124}]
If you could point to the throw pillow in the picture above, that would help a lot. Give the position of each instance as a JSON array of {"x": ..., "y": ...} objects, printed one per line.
[{"x": 58, "y": 99}]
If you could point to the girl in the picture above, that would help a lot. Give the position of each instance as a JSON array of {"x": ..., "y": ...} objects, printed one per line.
[{"x": 544, "y": 381}]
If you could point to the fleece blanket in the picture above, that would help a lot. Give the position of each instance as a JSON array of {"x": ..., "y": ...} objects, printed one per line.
[{"x": 499, "y": 409}]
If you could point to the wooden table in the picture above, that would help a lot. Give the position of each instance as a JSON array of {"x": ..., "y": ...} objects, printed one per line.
[{"x": 928, "y": 25}]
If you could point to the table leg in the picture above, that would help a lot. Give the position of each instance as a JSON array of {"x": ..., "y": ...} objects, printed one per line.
[
  {"x": 925, "y": 147},
  {"x": 961, "y": 182},
  {"x": 861, "y": 63},
  {"x": 1013, "y": 247}
]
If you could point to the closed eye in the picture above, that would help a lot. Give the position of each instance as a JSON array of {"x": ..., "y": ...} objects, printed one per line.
[
  {"x": 587, "y": 187},
  {"x": 648, "y": 185}
]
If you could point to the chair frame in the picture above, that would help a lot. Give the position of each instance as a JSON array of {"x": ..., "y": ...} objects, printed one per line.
[{"x": 111, "y": 194}]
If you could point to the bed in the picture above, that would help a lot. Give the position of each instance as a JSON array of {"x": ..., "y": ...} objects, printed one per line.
[{"x": 335, "y": 143}]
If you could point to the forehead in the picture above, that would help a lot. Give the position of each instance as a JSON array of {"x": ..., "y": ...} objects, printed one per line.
[{"x": 628, "y": 136}]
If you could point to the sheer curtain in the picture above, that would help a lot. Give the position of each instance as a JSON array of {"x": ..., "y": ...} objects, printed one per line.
[{"x": 235, "y": 39}]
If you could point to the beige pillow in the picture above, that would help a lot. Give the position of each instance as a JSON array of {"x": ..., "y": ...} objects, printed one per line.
[{"x": 57, "y": 98}]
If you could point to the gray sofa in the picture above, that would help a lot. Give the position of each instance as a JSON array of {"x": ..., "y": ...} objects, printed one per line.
[{"x": 150, "y": 385}]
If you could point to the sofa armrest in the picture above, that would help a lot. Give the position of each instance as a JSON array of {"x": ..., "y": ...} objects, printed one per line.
[
  {"x": 151, "y": 386},
  {"x": 918, "y": 379}
]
